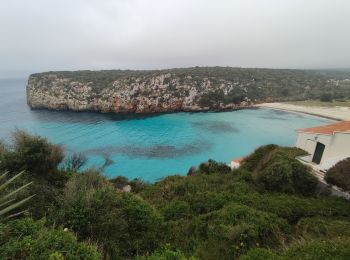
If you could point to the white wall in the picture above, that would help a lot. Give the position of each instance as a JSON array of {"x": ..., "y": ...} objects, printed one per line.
[
  {"x": 337, "y": 146},
  {"x": 339, "y": 149},
  {"x": 308, "y": 141}
]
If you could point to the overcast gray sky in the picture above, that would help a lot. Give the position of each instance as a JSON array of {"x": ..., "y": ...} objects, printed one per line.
[{"x": 42, "y": 35}]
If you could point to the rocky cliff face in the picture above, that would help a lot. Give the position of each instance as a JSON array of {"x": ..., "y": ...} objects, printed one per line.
[
  {"x": 152, "y": 94},
  {"x": 190, "y": 89}
]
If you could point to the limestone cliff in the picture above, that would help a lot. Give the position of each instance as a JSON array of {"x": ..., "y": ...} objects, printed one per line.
[{"x": 193, "y": 89}]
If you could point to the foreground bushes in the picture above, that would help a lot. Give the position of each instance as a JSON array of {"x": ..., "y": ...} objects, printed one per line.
[
  {"x": 122, "y": 223},
  {"x": 339, "y": 174},
  {"x": 40, "y": 160},
  {"x": 210, "y": 167},
  {"x": 167, "y": 254},
  {"x": 267, "y": 209},
  {"x": 28, "y": 239},
  {"x": 276, "y": 169},
  {"x": 234, "y": 229},
  {"x": 331, "y": 249},
  {"x": 293, "y": 208},
  {"x": 287, "y": 175},
  {"x": 325, "y": 227}
]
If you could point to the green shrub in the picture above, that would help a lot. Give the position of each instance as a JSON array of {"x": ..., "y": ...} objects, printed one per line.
[
  {"x": 325, "y": 249},
  {"x": 167, "y": 254},
  {"x": 262, "y": 156},
  {"x": 287, "y": 175},
  {"x": 244, "y": 175},
  {"x": 183, "y": 234},
  {"x": 260, "y": 254},
  {"x": 123, "y": 224},
  {"x": 292, "y": 208},
  {"x": 28, "y": 239},
  {"x": 325, "y": 227},
  {"x": 339, "y": 174},
  {"x": 176, "y": 210},
  {"x": 251, "y": 162},
  {"x": 143, "y": 224},
  {"x": 213, "y": 167},
  {"x": 235, "y": 229},
  {"x": 277, "y": 177},
  {"x": 314, "y": 250},
  {"x": 205, "y": 202},
  {"x": 303, "y": 181},
  {"x": 203, "y": 192},
  {"x": 276, "y": 169},
  {"x": 33, "y": 154},
  {"x": 39, "y": 159}
]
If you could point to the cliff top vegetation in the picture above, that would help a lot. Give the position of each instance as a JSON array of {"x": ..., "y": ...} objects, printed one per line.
[{"x": 278, "y": 84}]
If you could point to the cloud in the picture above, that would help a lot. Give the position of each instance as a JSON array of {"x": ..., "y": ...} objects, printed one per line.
[{"x": 41, "y": 35}]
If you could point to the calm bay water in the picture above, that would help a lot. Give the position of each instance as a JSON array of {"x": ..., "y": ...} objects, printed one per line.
[{"x": 150, "y": 147}]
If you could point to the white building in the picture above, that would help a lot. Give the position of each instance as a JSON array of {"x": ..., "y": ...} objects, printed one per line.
[
  {"x": 236, "y": 163},
  {"x": 326, "y": 144}
]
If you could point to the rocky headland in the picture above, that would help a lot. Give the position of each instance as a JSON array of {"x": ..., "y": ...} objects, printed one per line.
[{"x": 191, "y": 89}]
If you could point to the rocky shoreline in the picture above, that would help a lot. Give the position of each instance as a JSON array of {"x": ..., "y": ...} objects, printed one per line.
[{"x": 252, "y": 106}]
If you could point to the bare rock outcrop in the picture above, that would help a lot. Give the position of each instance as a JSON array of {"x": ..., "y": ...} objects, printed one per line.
[{"x": 155, "y": 93}]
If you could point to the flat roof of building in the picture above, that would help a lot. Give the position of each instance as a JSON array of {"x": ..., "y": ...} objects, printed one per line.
[{"x": 339, "y": 127}]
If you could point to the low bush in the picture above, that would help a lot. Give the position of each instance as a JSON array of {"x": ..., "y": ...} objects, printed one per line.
[
  {"x": 287, "y": 175},
  {"x": 40, "y": 160},
  {"x": 293, "y": 208},
  {"x": 325, "y": 249},
  {"x": 213, "y": 167},
  {"x": 121, "y": 223},
  {"x": 304, "y": 182},
  {"x": 260, "y": 254},
  {"x": 316, "y": 227},
  {"x": 264, "y": 154},
  {"x": 235, "y": 229},
  {"x": 176, "y": 210},
  {"x": 277, "y": 176},
  {"x": 339, "y": 174},
  {"x": 276, "y": 169},
  {"x": 33, "y": 154},
  {"x": 251, "y": 162},
  {"x": 183, "y": 234},
  {"x": 167, "y": 254},
  {"x": 29, "y": 239}
]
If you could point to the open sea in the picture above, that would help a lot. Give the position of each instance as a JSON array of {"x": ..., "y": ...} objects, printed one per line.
[{"x": 150, "y": 147}]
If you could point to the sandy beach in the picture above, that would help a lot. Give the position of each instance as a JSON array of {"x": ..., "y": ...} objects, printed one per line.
[{"x": 336, "y": 113}]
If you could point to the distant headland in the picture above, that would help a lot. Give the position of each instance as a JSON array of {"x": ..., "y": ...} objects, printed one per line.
[{"x": 185, "y": 89}]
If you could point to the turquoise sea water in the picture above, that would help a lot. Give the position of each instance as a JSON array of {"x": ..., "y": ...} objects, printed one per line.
[{"x": 151, "y": 147}]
